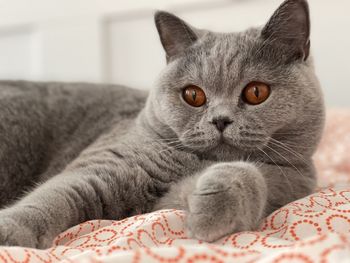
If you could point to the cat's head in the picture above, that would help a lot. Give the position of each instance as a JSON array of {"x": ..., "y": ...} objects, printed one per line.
[{"x": 238, "y": 90}]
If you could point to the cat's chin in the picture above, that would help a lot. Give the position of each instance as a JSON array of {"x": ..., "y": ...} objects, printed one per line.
[
  {"x": 221, "y": 152},
  {"x": 224, "y": 149}
]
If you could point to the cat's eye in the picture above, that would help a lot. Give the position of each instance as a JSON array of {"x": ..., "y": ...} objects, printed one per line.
[
  {"x": 194, "y": 96},
  {"x": 256, "y": 93}
]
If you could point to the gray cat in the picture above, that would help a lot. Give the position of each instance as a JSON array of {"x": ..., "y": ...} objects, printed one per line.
[{"x": 227, "y": 134}]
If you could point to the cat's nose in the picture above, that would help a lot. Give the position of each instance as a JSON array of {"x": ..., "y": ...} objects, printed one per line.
[{"x": 221, "y": 123}]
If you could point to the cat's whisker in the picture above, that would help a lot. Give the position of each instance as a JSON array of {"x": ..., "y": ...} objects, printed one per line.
[
  {"x": 290, "y": 133},
  {"x": 186, "y": 132},
  {"x": 168, "y": 139},
  {"x": 285, "y": 160},
  {"x": 294, "y": 154},
  {"x": 172, "y": 142},
  {"x": 176, "y": 144},
  {"x": 172, "y": 139},
  {"x": 292, "y": 145},
  {"x": 288, "y": 149},
  {"x": 248, "y": 158},
  {"x": 281, "y": 133},
  {"x": 258, "y": 163},
  {"x": 169, "y": 142},
  {"x": 171, "y": 145},
  {"x": 283, "y": 173}
]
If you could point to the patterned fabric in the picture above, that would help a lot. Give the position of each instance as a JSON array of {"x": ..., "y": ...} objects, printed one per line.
[
  {"x": 313, "y": 229},
  {"x": 333, "y": 153}
]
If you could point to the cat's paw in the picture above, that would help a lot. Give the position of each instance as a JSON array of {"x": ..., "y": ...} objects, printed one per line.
[
  {"x": 218, "y": 206},
  {"x": 13, "y": 233}
]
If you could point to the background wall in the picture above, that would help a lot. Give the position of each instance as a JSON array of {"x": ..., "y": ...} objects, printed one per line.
[{"x": 116, "y": 41}]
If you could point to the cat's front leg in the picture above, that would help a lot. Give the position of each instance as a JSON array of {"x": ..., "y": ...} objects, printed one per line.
[
  {"x": 13, "y": 233},
  {"x": 227, "y": 198},
  {"x": 71, "y": 198},
  {"x": 51, "y": 208}
]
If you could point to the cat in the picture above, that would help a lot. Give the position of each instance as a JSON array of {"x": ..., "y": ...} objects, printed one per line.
[{"x": 227, "y": 134}]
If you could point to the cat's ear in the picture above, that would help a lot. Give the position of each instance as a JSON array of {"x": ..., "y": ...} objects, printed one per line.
[
  {"x": 289, "y": 28},
  {"x": 175, "y": 35}
]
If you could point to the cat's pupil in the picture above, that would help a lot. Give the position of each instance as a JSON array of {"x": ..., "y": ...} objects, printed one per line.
[
  {"x": 194, "y": 95},
  {"x": 256, "y": 92}
]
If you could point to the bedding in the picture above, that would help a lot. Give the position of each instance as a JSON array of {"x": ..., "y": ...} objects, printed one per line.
[{"x": 313, "y": 229}]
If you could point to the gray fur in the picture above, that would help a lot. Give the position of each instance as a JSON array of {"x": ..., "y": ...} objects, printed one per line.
[{"x": 83, "y": 151}]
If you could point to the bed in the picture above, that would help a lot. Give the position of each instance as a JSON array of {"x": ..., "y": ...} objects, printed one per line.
[{"x": 313, "y": 229}]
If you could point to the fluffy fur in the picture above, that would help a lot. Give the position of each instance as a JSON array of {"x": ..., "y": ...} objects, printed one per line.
[{"x": 83, "y": 151}]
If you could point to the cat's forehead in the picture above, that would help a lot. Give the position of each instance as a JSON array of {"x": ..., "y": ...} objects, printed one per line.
[
  {"x": 227, "y": 44},
  {"x": 219, "y": 59},
  {"x": 229, "y": 58}
]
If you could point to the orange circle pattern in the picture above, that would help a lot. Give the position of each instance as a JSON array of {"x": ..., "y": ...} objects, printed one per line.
[{"x": 285, "y": 236}]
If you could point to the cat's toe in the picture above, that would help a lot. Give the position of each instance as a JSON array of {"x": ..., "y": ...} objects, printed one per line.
[
  {"x": 209, "y": 218},
  {"x": 202, "y": 227},
  {"x": 215, "y": 206}
]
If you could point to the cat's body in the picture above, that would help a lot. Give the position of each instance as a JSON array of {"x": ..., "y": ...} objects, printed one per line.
[
  {"x": 44, "y": 126},
  {"x": 52, "y": 124},
  {"x": 111, "y": 152}
]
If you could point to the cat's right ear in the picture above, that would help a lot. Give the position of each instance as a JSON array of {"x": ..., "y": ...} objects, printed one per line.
[{"x": 175, "y": 35}]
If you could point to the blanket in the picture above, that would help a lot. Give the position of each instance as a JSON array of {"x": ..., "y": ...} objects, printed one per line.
[{"x": 313, "y": 229}]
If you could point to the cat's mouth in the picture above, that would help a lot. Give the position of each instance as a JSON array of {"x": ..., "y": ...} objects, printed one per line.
[
  {"x": 242, "y": 144},
  {"x": 219, "y": 144},
  {"x": 221, "y": 140},
  {"x": 222, "y": 143}
]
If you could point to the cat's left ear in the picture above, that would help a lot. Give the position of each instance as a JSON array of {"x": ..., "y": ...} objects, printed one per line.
[
  {"x": 289, "y": 28},
  {"x": 176, "y": 36}
]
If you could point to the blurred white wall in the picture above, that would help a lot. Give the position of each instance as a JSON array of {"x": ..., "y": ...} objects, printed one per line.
[{"x": 116, "y": 41}]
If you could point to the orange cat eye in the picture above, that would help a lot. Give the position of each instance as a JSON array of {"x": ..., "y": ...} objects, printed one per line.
[
  {"x": 194, "y": 96},
  {"x": 256, "y": 93}
]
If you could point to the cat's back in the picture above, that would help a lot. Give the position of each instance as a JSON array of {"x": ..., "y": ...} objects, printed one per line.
[
  {"x": 83, "y": 100},
  {"x": 82, "y": 94},
  {"x": 69, "y": 116}
]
